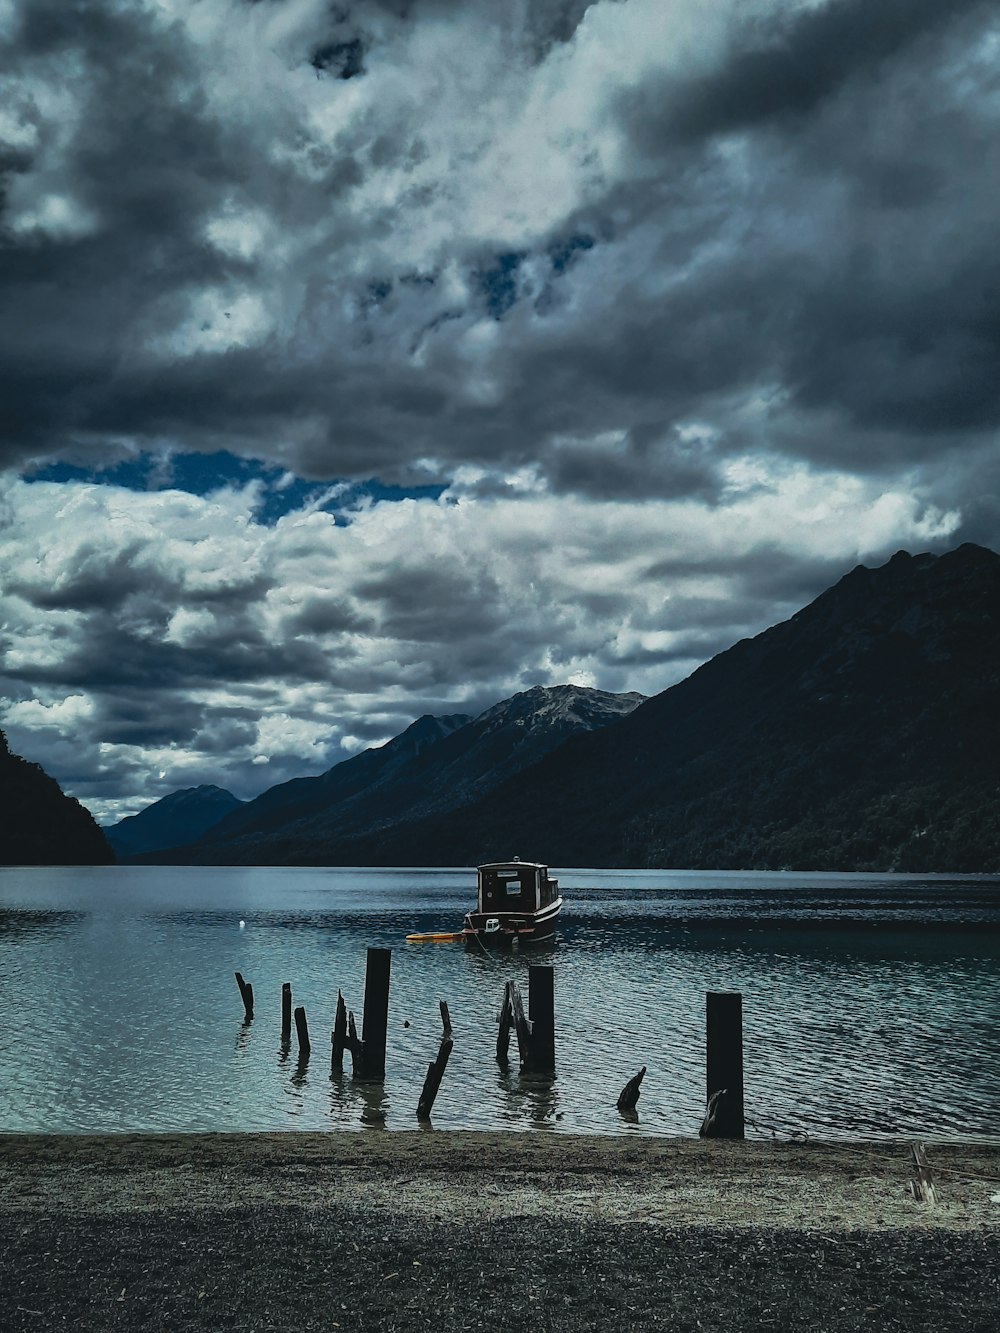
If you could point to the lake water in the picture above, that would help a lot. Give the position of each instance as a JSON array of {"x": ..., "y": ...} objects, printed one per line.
[{"x": 870, "y": 1002}]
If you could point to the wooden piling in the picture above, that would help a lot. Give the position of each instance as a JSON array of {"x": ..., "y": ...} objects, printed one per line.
[
  {"x": 338, "y": 1037},
  {"x": 506, "y": 1021},
  {"x": 435, "y": 1073},
  {"x": 356, "y": 1047},
  {"x": 375, "y": 1023},
  {"x": 542, "y": 1013},
  {"x": 522, "y": 1027},
  {"x": 302, "y": 1032},
  {"x": 286, "y": 1012},
  {"x": 246, "y": 992},
  {"x": 435, "y": 1070},
  {"x": 724, "y": 1065},
  {"x": 629, "y": 1095}
]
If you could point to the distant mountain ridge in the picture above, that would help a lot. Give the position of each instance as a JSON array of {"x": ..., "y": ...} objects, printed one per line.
[
  {"x": 39, "y": 823},
  {"x": 861, "y": 734},
  {"x": 436, "y": 764},
  {"x": 301, "y": 797},
  {"x": 182, "y": 816}
]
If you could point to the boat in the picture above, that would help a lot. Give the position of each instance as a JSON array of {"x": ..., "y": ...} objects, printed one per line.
[{"x": 517, "y": 903}]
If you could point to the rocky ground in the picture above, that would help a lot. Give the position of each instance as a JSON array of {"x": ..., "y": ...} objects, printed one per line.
[{"x": 468, "y": 1231}]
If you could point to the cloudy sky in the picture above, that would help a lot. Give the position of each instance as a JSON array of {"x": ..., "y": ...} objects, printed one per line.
[{"x": 373, "y": 358}]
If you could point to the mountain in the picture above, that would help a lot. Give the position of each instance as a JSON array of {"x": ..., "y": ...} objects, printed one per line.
[
  {"x": 182, "y": 816},
  {"x": 861, "y": 734},
  {"x": 39, "y": 824},
  {"x": 438, "y": 765},
  {"x": 301, "y": 797}
]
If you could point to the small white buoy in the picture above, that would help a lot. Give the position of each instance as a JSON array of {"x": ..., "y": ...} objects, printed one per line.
[{"x": 243, "y": 925}]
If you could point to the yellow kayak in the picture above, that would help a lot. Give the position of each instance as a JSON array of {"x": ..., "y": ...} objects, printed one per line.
[{"x": 436, "y": 937}]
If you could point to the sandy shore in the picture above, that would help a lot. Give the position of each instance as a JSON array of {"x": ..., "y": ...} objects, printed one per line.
[
  {"x": 464, "y": 1230},
  {"x": 464, "y": 1176}
]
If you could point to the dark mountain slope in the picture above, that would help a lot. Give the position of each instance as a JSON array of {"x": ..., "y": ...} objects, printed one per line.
[
  {"x": 411, "y": 779},
  {"x": 180, "y": 817},
  {"x": 864, "y": 733},
  {"x": 301, "y": 798},
  {"x": 39, "y": 824}
]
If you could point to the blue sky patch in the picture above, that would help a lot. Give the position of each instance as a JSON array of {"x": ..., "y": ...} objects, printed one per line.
[{"x": 201, "y": 474}]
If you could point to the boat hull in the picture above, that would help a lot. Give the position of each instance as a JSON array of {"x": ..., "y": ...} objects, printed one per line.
[{"x": 505, "y": 930}]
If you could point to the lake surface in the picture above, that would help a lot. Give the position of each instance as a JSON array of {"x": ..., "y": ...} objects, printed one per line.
[{"x": 871, "y": 1003}]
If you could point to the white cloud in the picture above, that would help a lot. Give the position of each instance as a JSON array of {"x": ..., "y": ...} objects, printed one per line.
[{"x": 166, "y": 632}]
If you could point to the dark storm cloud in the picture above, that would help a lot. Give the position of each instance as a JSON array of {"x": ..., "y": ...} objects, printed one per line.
[
  {"x": 689, "y": 307},
  {"x": 121, "y": 652},
  {"x": 792, "y": 63},
  {"x": 432, "y": 601},
  {"x": 648, "y": 460},
  {"x": 878, "y": 315}
]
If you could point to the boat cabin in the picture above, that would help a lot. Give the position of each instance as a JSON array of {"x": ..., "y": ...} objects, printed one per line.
[{"x": 515, "y": 886}]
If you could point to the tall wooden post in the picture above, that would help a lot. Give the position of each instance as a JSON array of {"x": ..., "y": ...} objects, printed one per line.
[
  {"x": 375, "y": 1023},
  {"x": 724, "y": 1063},
  {"x": 542, "y": 1014},
  {"x": 286, "y": 1012}
]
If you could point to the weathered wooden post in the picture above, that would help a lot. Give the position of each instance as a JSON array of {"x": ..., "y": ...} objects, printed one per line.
[
  {"x": 375, "y": 1023},
  {"x": 302, "y": 1032},
  {"x": 522, "y": 1027},
  {"x": 724, "y": 1065},
  {"x": 286, "y": 1012},
  {"x": 506, "y": 1021},
  {"x": 435, "y": 1070},
  {"x": 542, "y": 1015},
  {"x": 338, "y": 1037},
  {"x": 629, "y": 1095},
  {"x": 246, "y": 992},
  {"x": 356, "y": 1047}
]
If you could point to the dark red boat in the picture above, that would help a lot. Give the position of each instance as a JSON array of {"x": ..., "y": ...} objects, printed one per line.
[{"x": 517, "y": 903}]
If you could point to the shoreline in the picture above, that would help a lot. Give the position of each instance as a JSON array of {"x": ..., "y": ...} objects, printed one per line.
[
  {"x": 453, "y": 1231},
  {"x": 466, "y": 1175}
]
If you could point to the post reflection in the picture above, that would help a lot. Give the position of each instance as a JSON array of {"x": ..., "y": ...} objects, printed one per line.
[
  {"x": 530, "y": 1096},
  {"x": 364, "y": 1102}
]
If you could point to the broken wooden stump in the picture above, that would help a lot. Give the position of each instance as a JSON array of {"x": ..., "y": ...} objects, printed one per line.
[
  {"x": 922, "y": 1183},
  {"x": 724, "y": 1118},
  {"x": 522, "y": 1027},
  {"x": 629, "y": 1095},
  {"x": 356, "y": 1047},
  {"x": 712, "y": 1127},
  {"x": 506, "y": 1021},
  {"x": 302, "y": 1032},
  {"x": 338, "y": 1037},
  {"x": 535, "y": 1035},
  {"x": 246, "y": 992},
  {"x": 435, "y": 1070}
]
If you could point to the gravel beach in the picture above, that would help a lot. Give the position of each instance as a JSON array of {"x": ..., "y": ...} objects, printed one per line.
[{"x": 451, "y": 1231}]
